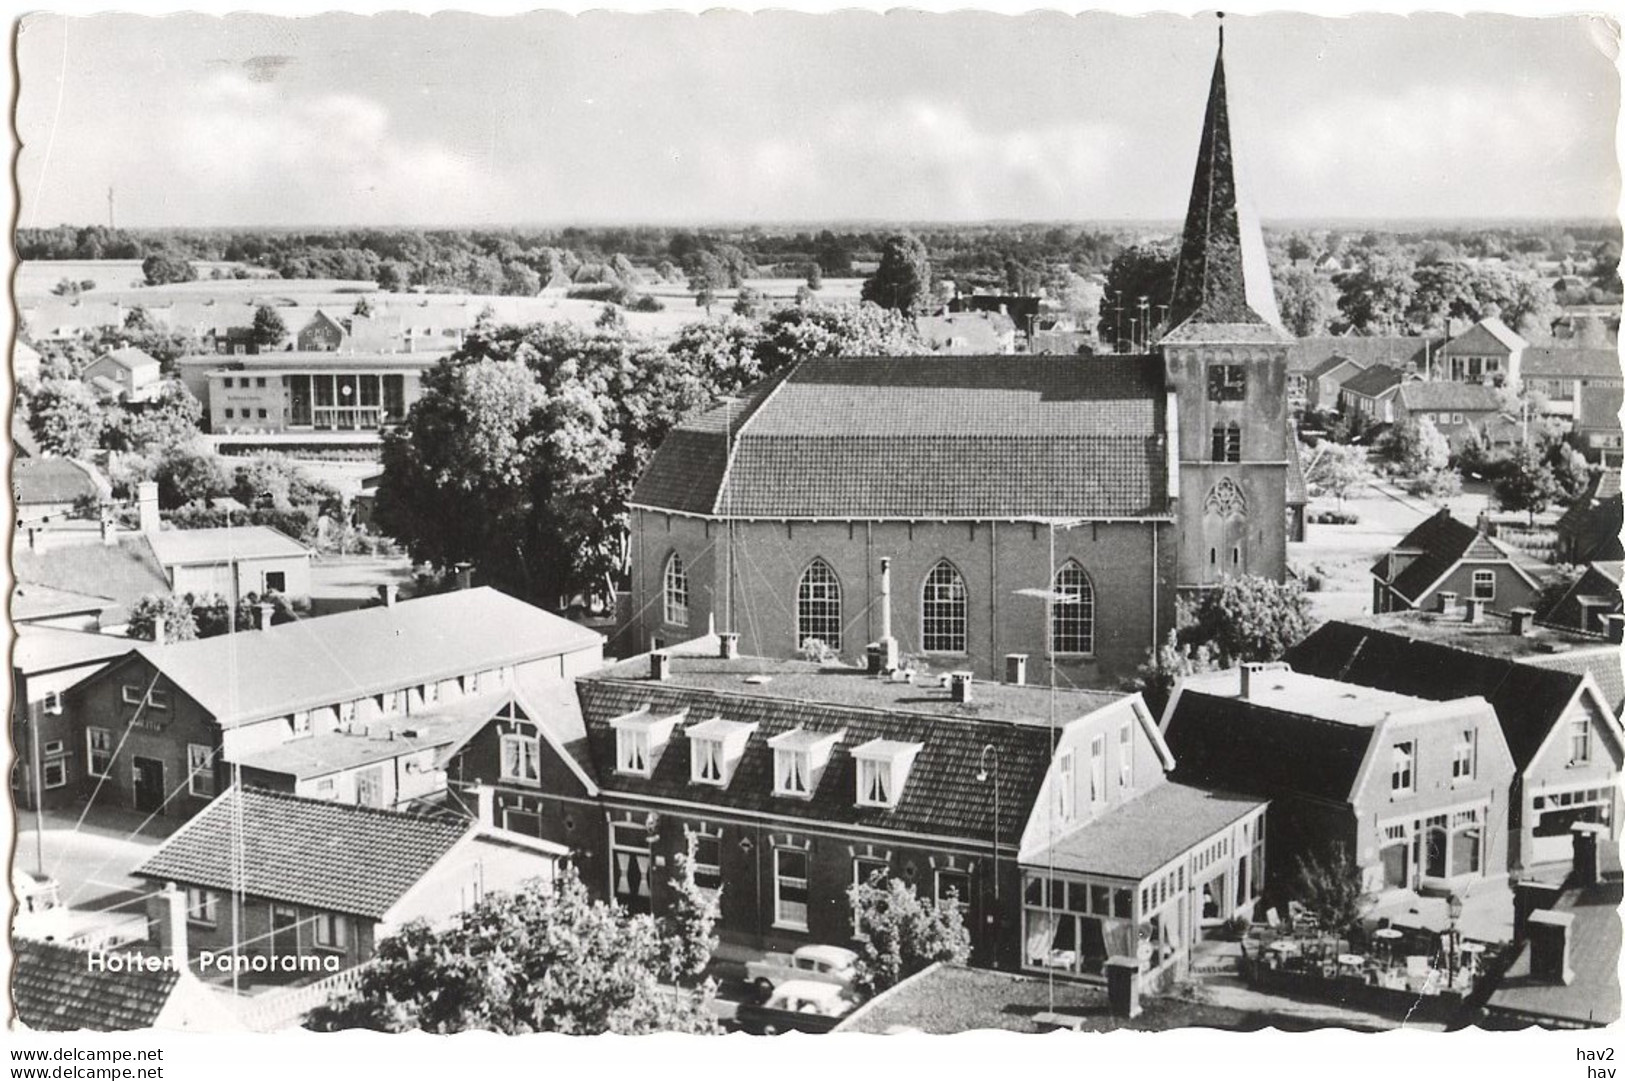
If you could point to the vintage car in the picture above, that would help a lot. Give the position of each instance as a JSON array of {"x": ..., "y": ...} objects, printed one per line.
[
  {"x": 797, "y": 1006},
  {"x": 819, "y": 964}
]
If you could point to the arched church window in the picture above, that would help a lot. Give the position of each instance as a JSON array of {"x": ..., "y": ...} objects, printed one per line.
[
  {"x": 675, "y": 592},
  {"x": 818, "y": 606},
  {"x": 1072, "y": 611},
  {"x": 942, "y": 610}
]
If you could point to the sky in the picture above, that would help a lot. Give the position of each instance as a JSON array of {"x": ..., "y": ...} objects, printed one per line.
[{"x": 339, "y": 120}]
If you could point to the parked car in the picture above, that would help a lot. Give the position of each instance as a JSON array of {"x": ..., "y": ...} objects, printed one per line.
[
  {"x": 797, "y": 1006},
  {"x": 815, "y": 963}
]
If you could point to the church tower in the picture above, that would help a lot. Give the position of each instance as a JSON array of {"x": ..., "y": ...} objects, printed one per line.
[{"x": 1224, "y": 357}]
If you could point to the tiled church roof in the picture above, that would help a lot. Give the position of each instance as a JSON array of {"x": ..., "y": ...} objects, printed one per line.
[{"x": 921, "y": 437}]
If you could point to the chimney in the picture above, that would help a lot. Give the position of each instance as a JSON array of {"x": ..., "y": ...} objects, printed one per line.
[
  {"x": 730, "y": 645},
  {"x": 166, "y": 924},
  {"x": 465, "y": 575},
  {"x": 1250, "y": 672},
  {"x": 888, "y": 644},
  {"x": 959, "y": 686},
  {"x": 266, "y": 610},
  {"x": 158, "y": 628},
  {"x": 1549, "y": 936},
  {"x": 1475, "y": 610},
  {"x": 389, "y": 594},
  {"x": 1015, "y": 669},
  {"x": 1616, "y": 628},
  {"x": 1530, "y": 895},
  {"x": 1523, "y": 621},
  {"x": 660, "y": 665},
  {"x": 146, "y": 496},
  {"x": 1587, "y": 871},
  {"x": 1446, "y": 602}
]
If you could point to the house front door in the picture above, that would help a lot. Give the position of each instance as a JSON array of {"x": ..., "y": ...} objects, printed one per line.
[
  {"x": 149, "y": 785},
  {"x": 1395, "y": 869}
]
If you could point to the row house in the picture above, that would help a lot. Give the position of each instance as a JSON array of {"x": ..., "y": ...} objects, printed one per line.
[
  {"x": 1443, "y": 559},
  {"x": 243, "y": 876},
  {"x": 1414, "y": 791},
  {"x": 159, "y": 729},
  {"x": 1559, "y": 723},
  {"x": 795, "y": 780}
]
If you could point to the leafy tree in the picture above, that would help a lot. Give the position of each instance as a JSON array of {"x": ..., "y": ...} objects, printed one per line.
[
  {"x": 1339, "y": 469},
  {"x": 1525, "y": 483},
  {"x": 902, "y": 932},
  {"x": 729, "y": 350},
  {"x": 185, "y": 475},
  {"x": 688, "y": 923},
  {"x": 1145, "y": 270},
  {"x": 1302, "y": 301},
  {"x": 544, "y": 959},
  {"x": 1329, "y": 884},
  {"x": 162, "y": 268},
  {"x": 1248, "y": 618},
  {"x": 67, "y": 418},
  {"x": 815, "y": 277},
  {"x": 269, "y": 329},
  {"x": 707, "y": 274},
  {"x": 1167, "y": 665},
  {"x": 363, "y": 307},
  {"x": 1298, "y": 248},
  {"x": 749, "y": 303},
  {"x": 139, "y": 321},
  {"x": 902, "y": 281},
  {"x": 791, "y": 335},
  {"x": 275, "y": 481},
  {"x": 1375, "y": 297},
  {"x": 179, "y": 623},
  {"x": 171, "y": 418},
  {"x": 1413, "y": 447}
]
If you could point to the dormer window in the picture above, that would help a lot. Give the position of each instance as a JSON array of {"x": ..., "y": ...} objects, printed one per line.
[
  {"x": 715, "y": 747},
  {"x": 640, "y": 736},
  {"x": 799, "y": 758},
  {"x": 883, "y": 767}
]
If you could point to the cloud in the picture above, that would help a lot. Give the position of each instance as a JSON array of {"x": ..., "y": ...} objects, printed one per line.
[{"x": 246, "y": 150}]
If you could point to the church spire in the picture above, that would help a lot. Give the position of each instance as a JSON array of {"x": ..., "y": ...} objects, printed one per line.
[{"x": 1223, "y": 272}]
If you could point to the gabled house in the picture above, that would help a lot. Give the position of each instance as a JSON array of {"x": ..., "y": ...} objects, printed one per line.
[
  {"x": 130, "y": 373},
  {"x": 1585, "y": 607},
  {"x": 1414, "y": 791},
  {"x": 321, "y": 334},
  {"x": 162, "y": 725},
  {"x": 1596, "y": 425},
  {"x": 1560, "y": 727},
  {"x": 1488, "y": 352},
  {"x": 45, "y": 661},
  {"x": 1118, "y": 861},
  {"x": 1442, "y": 559},
  {"x": 1589, "y": 529},
  {"x": 1323, "y": 384},
  {"x": 1369, "y": 395},
  {"x": 1457, "y": 410},
  {"x": 795, "y": 780},
  {"x": 1566, "y": 377},
  {"x": 1322, "y": 364},
  {"x": 318, "y": 879}
]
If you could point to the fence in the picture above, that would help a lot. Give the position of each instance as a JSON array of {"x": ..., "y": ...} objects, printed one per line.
[{"x": 285, "y": 1009}]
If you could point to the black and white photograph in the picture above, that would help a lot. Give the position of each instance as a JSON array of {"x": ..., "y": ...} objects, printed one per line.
[{"x": 798, "y": 524}]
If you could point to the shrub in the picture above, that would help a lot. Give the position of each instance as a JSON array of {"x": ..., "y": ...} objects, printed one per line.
[
  {"x": 643, "y": 302},
  {"x": 1332, "y": 517}
]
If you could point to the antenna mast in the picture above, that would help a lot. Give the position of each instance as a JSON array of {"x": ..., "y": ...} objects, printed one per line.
[{"x": 111, "y": 222}]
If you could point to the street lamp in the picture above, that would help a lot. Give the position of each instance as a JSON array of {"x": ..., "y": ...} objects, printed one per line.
[
  {"x": 984, "y": 775},
  {"x": 1455, "y": 906}
]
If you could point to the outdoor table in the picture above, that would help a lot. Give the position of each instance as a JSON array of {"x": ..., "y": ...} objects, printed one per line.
[
  {"x": 1470, "y": 952},
  {"x": 1351, "y": 961}
]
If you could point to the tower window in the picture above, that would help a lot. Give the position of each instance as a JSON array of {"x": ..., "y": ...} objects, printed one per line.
[
  {"x": 1226, "y": 382},
  {"x": 1227, "y": 442}
]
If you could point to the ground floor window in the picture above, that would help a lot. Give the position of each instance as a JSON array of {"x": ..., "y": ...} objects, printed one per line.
[
  {"x": 629, "y": 858},
  {"x": 1074, "y": 926},
  {"x": 790, "y": 888},
  {"x": 202, "y": 906},
  {"x": 953, "y": 886},
  {"x": 330, "y": 930},
  {"x": 56, "y": 772},
  {"x": 1440, "y": 847},
  {"x": 708, "y": 865},
  {"x": 100, "y": 743}
]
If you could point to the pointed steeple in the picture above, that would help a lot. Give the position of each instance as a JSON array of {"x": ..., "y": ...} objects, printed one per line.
[{"x": 1223, "y": 275}]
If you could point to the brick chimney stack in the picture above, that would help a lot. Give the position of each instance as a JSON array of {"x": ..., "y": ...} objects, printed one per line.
[{"x": 166, "y": 924}]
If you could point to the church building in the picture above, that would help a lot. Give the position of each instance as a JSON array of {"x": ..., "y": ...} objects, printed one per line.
[{"x": 1048, "y": 506}]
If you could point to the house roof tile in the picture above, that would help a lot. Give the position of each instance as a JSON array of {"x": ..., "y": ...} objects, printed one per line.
[
  {"x": 55, "y": 989},
  {"x": 1440, "y": 394},
  {"x": 125, "y": 571},
  {"x": 331, "y": 856},
  {"x": 942, "y": 794},
  {"x": 1375, "y": 381},
  {"x": 1317, "y": 356},
  {"x": 1548, "y": 362}
]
